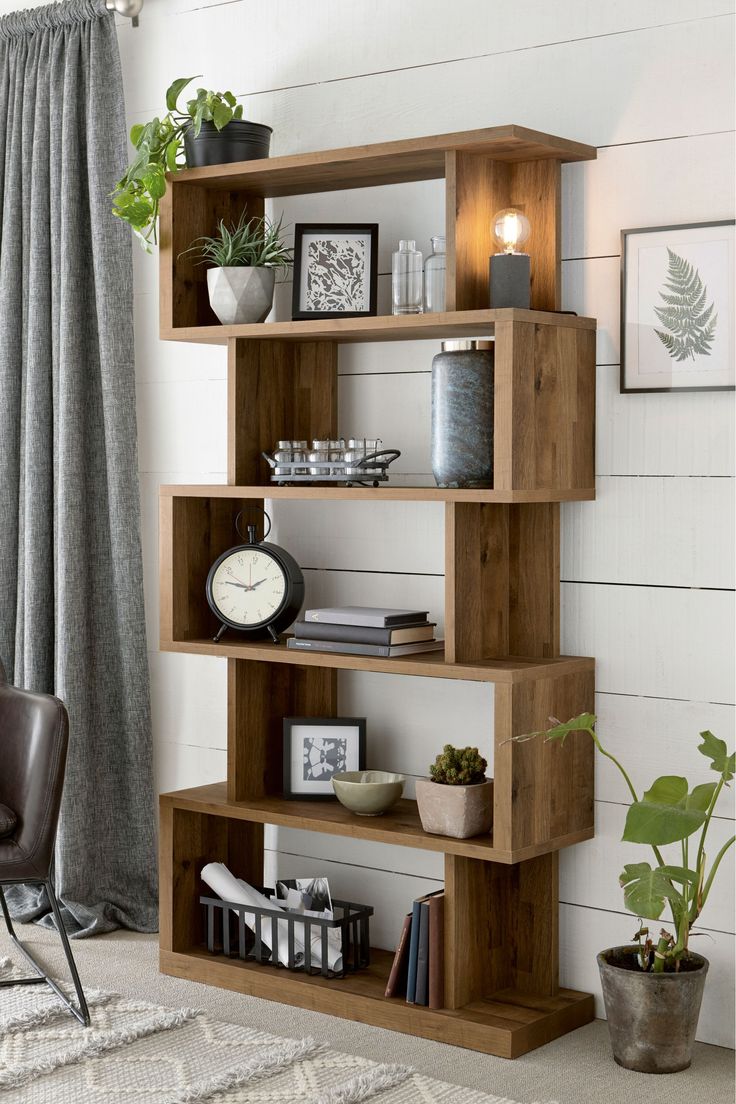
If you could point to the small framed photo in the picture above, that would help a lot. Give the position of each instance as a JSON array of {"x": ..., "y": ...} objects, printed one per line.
[
  {"x": 677, "y": 308},
  {"x": 335, "y": 270},
  {"x": 315, "y": 748}
]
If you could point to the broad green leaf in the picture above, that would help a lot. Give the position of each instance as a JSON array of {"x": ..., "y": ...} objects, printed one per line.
[
  {"x": 154, "y": 181},
  {"x": 646, "y": 890},
  {"x": 135, "y": 132},
  {"x": 670, "y": 789},
  {"x": 238, "y": 112},
  {"x": 172, "y": 152},
  {"x": 657, "y": 824},
  {"x": 576, "y": 724},
  {"x": 221, "y": 115},
  {"x": 138, "y": 213},
  {"x": 174, "y": 90},
  {"x": 680, "y": 874},
  {"x": 229, "y": 98},
  {"x": 701, "y": 797},
  {"x": 715, "y": 750}
]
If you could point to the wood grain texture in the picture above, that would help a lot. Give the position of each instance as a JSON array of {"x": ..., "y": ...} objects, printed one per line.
[
  {"x": 399, "y": 827},
  {"x": 542, "y": 790},
  {"x": 502, "y": 588},
  {"x": 277, "y": 390},
  {"x": 410, "y": 327},
  {"x": 387, "y": 493},
  {"x": 381, "y": 163},
  {"x": 260, "y": 695},
  {"x": 508, "y": 1024},
  {"x": 544, "y": 408}
]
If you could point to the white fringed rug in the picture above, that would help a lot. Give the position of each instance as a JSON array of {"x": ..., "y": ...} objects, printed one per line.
[{"x": 137, "y": 1053}]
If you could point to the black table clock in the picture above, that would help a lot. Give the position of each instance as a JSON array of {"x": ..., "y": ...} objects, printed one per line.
[{"x": 255, "y": 587}]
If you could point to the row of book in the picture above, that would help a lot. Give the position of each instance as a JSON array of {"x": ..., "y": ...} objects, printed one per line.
[
  {"x": 418, "y": 969},
  {"x": 365, "y": 630}
]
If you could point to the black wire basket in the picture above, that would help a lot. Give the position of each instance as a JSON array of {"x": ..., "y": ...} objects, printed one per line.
[{"x": 306, "y": 938}]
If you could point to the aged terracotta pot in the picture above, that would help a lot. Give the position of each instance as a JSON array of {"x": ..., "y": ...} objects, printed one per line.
[
  {"x": 459, "y": 811},
  {"x": 652, "y": 1018}
]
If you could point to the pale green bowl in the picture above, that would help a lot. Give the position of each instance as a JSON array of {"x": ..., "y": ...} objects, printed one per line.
[{"x": 368, "y": 793}]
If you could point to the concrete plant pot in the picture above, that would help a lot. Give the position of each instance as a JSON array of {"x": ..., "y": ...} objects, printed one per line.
[
  {"x": 240, "y": 295},
  {"x": 458, "y": 811},
  {"x": 652, "y": 1018}
]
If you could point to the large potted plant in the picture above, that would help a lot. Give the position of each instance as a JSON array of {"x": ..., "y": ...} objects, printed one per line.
[
  {"x": 209, "y": 131},
  {"x": 244, "y": 261},
  {"x": 653, "y": 987},
  {"x": 457, "y": 799}
]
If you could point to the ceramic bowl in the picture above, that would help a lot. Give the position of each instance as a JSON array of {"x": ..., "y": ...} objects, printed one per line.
[{"x": 368, "y": 793}]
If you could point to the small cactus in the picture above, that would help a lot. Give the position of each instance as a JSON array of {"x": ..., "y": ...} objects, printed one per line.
[{"x": 458, "y": 767}]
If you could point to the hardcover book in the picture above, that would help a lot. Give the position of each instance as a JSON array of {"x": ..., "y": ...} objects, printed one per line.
[
  {"x": 364, "y": 649},
  {"x": 396, "y": 984},
  {"x": 376, "y": 617},
  {"x": 421, "y": 993},
  {"x": 363, "y": 634},
  {"x": 437, "y": 951}
]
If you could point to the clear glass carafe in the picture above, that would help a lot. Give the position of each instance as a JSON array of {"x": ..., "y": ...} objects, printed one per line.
[
  {"x": 406, "y": 279},
  {"x": 434, "y": 277}
]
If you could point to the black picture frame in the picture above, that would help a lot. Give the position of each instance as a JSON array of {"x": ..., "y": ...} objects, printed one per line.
[
  {"x": 304, "y": 230},
  {"x": 300, "y": 789},
  {"x": 623, "y": 378}
]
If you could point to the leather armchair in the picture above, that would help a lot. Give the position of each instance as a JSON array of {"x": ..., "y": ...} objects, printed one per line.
[{"x": 34, "y": 735}]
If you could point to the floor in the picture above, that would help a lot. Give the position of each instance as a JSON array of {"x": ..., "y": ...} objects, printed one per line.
[{"x": 577, "y": 1069}]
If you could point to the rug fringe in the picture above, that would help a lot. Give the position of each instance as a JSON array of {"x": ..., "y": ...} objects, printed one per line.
[
  {"x": 35, "y": 1017},
  {"x": 276, "y": 1057},
  {"x": 365, "y": 1085},
  {"x": 93, "y": 1047}
]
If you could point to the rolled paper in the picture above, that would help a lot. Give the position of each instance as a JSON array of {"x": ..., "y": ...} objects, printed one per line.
[{"x": 334, "y": 944}]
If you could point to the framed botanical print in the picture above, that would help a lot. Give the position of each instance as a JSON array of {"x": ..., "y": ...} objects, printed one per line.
[
  {"x": 315, "y": 749},
  {"x": 677, "y": 308},
  {"x": 335, "y": 270}
]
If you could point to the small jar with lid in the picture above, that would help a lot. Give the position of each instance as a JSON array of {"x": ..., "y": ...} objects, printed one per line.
[
  {"x": 299, "y": 450},
  {"x": 319, "y": 453},
  {"x": 462, "y": 413},
  {"x": 283, "y": 454}
]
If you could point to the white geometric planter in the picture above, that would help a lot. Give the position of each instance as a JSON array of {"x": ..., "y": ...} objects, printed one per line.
[{"x": 239, "y": 295}]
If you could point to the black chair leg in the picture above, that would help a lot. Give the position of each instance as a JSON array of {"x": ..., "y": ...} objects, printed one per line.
[{"x": 82, "y": 1012}]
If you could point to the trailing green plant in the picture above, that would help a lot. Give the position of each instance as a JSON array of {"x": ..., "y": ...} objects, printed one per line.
[
  {"x": 669, "y": 812},
  {"x": 249, "y": 243},
  {"x": 159, "y": 146},
  {"x": 458, "y": 767},
  {"x": 690, "y": 323}
]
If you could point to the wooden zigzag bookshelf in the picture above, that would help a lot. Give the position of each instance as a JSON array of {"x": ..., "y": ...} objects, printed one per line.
[{"x": 502, "y": 592}]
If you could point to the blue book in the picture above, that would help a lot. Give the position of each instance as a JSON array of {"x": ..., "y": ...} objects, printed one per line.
[
  {"x": 411, "y": 980},
  {"x": 421, "y": 994}
]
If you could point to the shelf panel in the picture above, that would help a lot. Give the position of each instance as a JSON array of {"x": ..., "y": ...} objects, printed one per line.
[
  {"x": 426, "y": 664},
  {"x": 384, "y": 493},
  {"x": 401, "y": 826},
  {"x": 415, "y": 327},
  {"x": 383, "y": 162},
  {"x": 508, "y": 1024}
]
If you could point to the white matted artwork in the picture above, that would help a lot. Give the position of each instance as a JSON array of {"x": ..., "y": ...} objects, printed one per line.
[
  {"x": 316, "y": 749},
  {"x": 677, "y": 308},
  {"x": 335, "y": 270}
]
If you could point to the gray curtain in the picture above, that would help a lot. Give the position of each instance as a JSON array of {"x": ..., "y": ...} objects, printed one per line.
[{"x": 71, "y": 597}]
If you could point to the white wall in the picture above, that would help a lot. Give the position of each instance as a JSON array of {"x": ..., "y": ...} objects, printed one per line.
[{"x": 647, "y": 568}]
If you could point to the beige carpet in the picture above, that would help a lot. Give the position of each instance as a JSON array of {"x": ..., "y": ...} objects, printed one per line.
[{"x": 577, "y": 1069}]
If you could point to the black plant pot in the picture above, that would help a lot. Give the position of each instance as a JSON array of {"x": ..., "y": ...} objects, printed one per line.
[{"x": 238, "y": 141}]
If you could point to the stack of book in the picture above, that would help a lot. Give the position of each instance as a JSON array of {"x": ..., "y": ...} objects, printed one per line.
[
  {"x": 418, "y": 970},
  {"x": 365, "y": 630}
]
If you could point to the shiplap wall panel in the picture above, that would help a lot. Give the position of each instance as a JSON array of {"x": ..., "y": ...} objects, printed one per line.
[
  {"x": 655, "y": 644},
  {"x": 654, "y": 736},
  {"x": 661, "y": 642},
  {"x": 583, "y": 930}
]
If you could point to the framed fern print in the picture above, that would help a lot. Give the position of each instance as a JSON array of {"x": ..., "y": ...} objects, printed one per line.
[{"x": 677, "y": 308}]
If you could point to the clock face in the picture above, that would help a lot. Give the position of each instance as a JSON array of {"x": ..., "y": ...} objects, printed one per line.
[{"x": 248, "y": 587}]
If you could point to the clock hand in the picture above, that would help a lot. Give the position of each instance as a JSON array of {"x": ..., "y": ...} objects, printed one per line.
[
  {"x": 243, "y": 586},
  {"x": 257, "y": 584}
]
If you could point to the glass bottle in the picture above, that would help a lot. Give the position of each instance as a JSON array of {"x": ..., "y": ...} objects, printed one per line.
[
  {"x": 406, "y": 279},
  {"x": 434, "y": 277}
]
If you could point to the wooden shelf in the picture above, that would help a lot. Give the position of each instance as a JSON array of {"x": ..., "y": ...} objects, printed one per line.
[
  {"x": 386, "y": 492},
  {"x": 511, "y": 670},
  {"x": 509, "y": 1023},
  {"x": 401, "y": 826},
  {"x": 382, "y": 163},
  {"x": 415, "y": 327}
]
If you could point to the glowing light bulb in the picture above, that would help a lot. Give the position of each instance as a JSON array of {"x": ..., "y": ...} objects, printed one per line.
[{"x": 510, "y": 229}]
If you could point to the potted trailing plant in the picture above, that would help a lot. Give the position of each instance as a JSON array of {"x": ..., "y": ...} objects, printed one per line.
[
  {"x": 457, "y": 799},
  {"x": 244, "y": 259},
  {"x": 653, "y": 987},
  {"x": 209, "y": 131}
]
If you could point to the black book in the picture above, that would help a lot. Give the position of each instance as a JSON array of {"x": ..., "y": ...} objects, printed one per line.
[
  {"x": 421, "y": 995},
  {"x": 363, "y": 634}
]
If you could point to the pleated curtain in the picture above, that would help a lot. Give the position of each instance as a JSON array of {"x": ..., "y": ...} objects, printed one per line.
[{"x": 71, "y": 595}]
